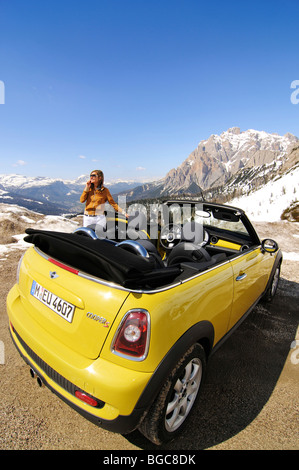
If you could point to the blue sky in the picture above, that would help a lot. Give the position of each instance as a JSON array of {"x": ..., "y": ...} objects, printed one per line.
[{"x": 132, "y": 86}]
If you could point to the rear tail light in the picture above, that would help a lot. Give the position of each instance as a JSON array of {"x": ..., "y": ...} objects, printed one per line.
[{"x": 132, "y": 337}]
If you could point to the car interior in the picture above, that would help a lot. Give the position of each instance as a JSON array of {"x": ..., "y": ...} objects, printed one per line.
[{"x": 136, "y": 260}]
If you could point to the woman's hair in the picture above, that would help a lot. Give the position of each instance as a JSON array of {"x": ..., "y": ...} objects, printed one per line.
[{"x": 99, "y": 173}]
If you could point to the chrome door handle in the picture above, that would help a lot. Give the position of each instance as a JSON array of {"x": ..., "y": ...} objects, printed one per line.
[{"x": 241, "y": 277}]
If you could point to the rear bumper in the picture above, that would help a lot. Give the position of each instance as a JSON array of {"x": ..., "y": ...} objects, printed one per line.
[
  {"x": 63, "y": 371},
  {"x": 121, "y": 424}
]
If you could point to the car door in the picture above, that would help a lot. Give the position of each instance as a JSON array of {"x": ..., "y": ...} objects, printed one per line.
[{"x": 250, "y": 278}]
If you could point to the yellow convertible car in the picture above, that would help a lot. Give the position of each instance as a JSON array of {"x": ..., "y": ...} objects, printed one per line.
[{"x": 122, "y": 329}]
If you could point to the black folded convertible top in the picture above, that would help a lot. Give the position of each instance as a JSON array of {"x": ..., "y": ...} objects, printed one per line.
[{"x": 101, "y": 258}]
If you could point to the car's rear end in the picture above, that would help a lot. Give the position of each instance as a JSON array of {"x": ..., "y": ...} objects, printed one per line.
[
  {"x": 60, "y": 319},
  {"x": 104, "y": 328}
]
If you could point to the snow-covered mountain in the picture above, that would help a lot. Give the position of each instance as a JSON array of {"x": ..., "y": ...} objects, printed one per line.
[
  {"x": 221, "y": 167},
  {"x": 276, "y": 200},
  {"x": 218, "y": 158},
  {"x": 221, "y": 158},
  {"x": 50, "y": 195}
]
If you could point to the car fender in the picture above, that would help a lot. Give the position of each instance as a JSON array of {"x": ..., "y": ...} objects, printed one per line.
[
  {"x": 277, "y": 261},
  {"x": 203, "y": 333}
]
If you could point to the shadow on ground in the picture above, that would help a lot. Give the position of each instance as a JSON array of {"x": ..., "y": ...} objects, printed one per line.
[{"x": 241, "y": 375}]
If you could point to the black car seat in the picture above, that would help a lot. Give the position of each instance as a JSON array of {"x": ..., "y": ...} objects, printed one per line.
[
  {"x": 190, "y": 250},
  {"x": 186, "y": 251},
  {"x": 152, "y": 251}
]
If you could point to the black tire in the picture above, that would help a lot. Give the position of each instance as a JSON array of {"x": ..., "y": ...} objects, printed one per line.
[
  {"x": 170, "y": 411},
  {"x": 272, "y": 289}
]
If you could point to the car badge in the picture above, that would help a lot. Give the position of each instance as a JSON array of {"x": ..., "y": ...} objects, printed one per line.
[
  {"x": 53, "y": 274},
  {"x": 99, "y": 319}
]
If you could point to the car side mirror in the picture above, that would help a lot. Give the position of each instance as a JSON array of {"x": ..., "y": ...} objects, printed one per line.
[{"x": 269, "y": 245}]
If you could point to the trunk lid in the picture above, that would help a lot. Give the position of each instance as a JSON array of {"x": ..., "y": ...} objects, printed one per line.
[{"x": 76, "y": 310}]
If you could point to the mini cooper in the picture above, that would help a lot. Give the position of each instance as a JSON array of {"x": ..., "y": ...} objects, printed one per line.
[{"x": 121, "y": 324}]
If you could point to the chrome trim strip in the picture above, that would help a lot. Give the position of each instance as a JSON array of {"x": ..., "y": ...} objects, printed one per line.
[{"x": 154, "y": 291}]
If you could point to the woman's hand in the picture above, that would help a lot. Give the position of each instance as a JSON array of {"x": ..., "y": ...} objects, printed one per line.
[{"x": 87, "y": 187}]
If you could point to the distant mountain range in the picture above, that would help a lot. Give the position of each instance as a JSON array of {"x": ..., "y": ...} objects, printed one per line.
[
  {"x": 221, "y": 167},
  {"x": 223, "y": 163},
  {"x": 49, "y": 195}
]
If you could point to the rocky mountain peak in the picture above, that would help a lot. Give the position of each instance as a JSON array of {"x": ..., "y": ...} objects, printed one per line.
[{"x": 219, "y": 157}]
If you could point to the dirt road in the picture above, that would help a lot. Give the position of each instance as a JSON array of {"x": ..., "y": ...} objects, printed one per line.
[{"x": 249, "y": 401}]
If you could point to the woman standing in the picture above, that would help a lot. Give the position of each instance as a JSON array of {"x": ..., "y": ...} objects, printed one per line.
[{"x": 96, "y": 195}]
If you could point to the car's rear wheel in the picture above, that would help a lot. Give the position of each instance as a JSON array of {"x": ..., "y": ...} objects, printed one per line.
[{"x": 168, "y": 415}]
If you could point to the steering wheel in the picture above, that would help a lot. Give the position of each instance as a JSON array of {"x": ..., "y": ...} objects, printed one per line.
[
  {"x": 195, "y": 233},
  {"x": 170, "y": 236}
]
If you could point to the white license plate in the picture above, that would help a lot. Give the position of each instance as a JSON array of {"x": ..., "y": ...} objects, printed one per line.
[{"x": 58, "y": 305}]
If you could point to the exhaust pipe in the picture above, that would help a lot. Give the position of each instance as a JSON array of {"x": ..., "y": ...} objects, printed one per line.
[
  {"x": 34, "y": 375},
  {"x": 39, "y": 381}
]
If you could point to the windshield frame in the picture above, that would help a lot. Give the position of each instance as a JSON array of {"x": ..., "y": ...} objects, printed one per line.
[{"x": 226, "y": 219}]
